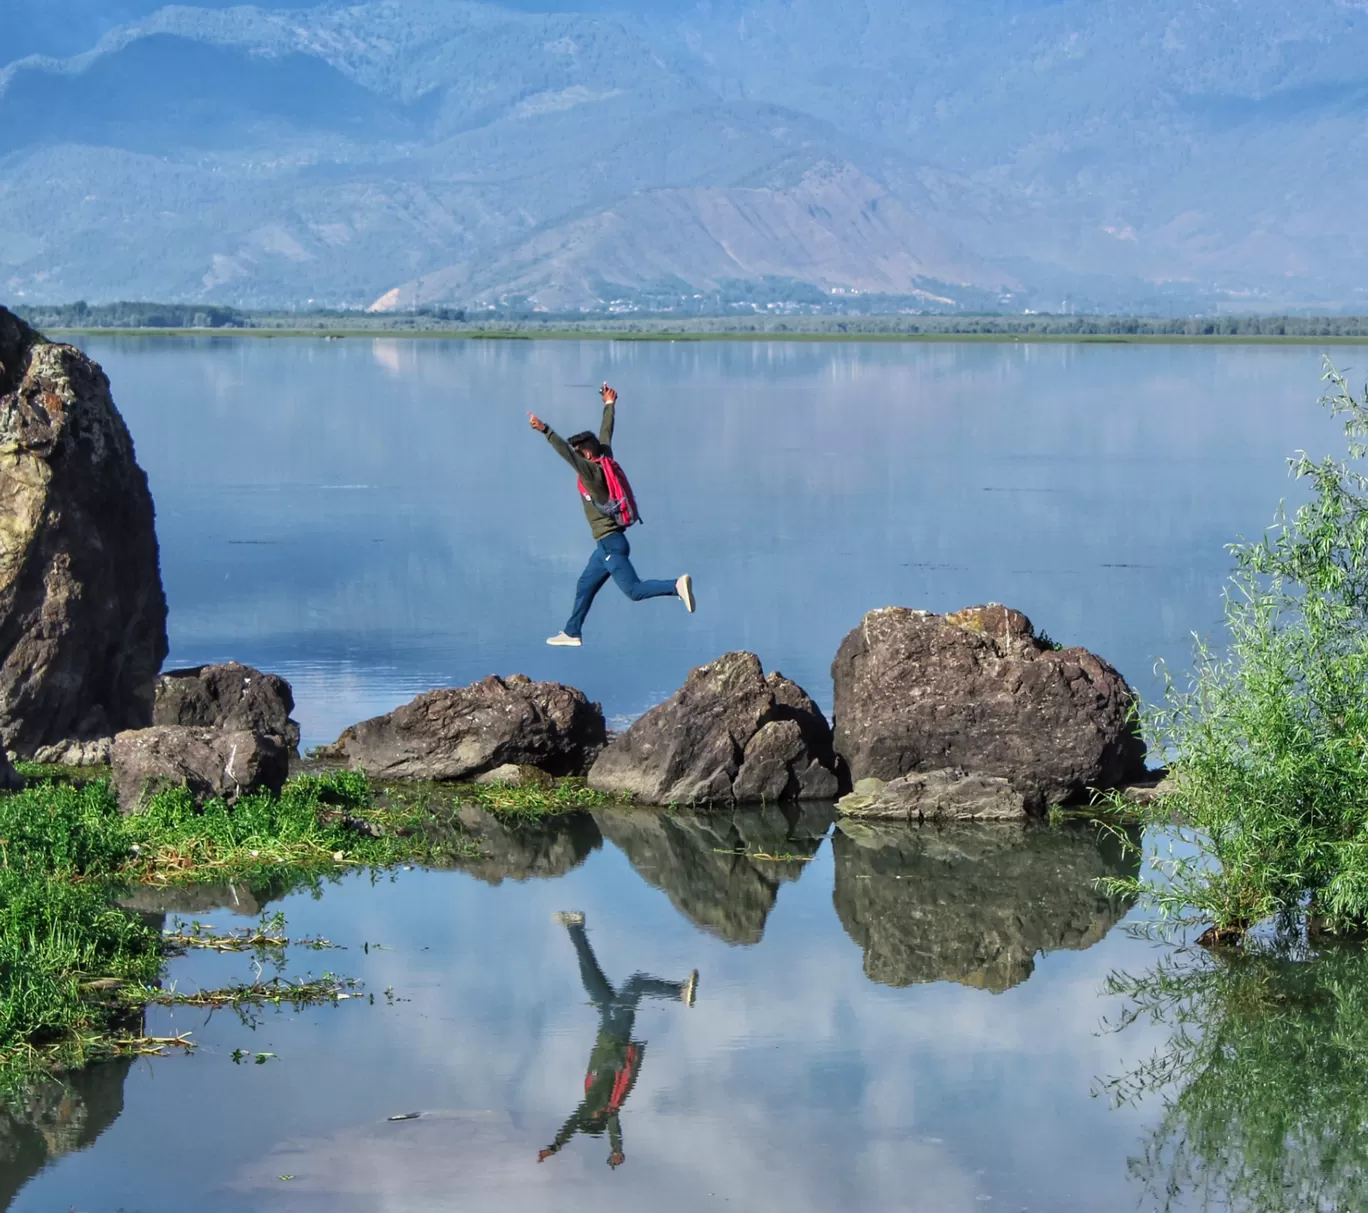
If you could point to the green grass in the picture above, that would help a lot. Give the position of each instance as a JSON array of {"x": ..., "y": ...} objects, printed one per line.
[
  {"x": 75, "y": 970},
  {"x": 523, "y": 802}
]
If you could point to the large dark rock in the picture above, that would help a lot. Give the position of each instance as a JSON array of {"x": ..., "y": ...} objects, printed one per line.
[
  {"x": 972, "y": 903},
  {"x": 728, "y": 735},
  {"x": 82, "y": 612},
  {"x": 465, "y": 731},
  {"x": 976, "y": 691},
  {"x": 209, "y": 762},
  {"x": 722, "y": 871},
  {"x": 231, "y": 696}
]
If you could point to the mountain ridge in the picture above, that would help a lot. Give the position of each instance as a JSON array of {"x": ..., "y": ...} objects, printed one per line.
[{"x": 338, "y": 153}]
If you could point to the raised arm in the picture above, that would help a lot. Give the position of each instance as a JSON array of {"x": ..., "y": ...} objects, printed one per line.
[
  {"x": 560, "y": 446},
  {"x": 609, "y": 415}
]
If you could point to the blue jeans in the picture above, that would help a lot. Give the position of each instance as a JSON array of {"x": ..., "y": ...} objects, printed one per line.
[{"x": 612, "y": 558}]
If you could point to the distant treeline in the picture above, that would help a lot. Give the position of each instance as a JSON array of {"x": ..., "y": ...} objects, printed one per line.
[
  {"x": 134, "y": 316},
  {"x": 643, "y": 323},
  {"x": 129, "y": 315}
]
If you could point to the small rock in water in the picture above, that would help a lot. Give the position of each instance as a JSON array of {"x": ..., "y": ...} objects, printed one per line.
[{"x": 948, "y": 795}]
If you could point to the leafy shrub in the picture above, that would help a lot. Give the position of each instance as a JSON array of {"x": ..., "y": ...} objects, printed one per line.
[{"x": 1268, "y": 742}]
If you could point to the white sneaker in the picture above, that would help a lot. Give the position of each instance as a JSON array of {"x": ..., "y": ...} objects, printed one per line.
[
  {"x": 684, "y": 588},
  {"x": 561, "y": 638}
]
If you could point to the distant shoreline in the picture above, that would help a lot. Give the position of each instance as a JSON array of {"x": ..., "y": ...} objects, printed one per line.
[{"x": 882, "y": 338}]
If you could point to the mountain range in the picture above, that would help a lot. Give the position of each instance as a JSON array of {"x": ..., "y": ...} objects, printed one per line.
[{"x": 932, "y": 154}]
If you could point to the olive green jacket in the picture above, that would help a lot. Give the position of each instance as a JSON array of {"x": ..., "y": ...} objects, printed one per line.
[{"x": 600, "y": 523}]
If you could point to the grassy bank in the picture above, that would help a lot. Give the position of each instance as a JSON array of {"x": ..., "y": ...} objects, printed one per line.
[{"x": 76, "y": 970}]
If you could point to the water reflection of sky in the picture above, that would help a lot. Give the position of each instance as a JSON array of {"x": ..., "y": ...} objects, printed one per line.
[
  {"x": 793, "y": 1082},
  {"x": 373, "y": 518}
]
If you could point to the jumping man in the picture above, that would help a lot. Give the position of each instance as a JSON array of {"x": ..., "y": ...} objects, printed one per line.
[{"x": 609, "y": 507}]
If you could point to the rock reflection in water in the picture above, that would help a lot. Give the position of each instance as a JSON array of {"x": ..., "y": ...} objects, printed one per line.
[
  {"x": 972, "y": 904},
  {"x": 525, "y": 850},
  {"x": 248, "y": 900},
  {"x": 56, "y": 1117},
  {"x": 722, "y": 871}
]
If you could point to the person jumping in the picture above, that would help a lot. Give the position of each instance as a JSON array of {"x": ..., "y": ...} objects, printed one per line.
[{"x": 611, "y": 509}]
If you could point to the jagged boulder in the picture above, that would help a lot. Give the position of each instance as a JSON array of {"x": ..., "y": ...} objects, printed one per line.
[
  {"x": 82, "y": 612},
  {"x": 465, "y": 731},
  {"x": 972, "y": 903},
  {"x": 935, "y": 796},
  {"x": 231, "y": 696},
  {"x": 728, "y": 735},
  {"x": 978, "y": 692},
  {"x": 210, "y": 762}
]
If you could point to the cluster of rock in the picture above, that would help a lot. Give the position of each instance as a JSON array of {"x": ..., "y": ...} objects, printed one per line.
[
  {"x": 219, "y": 730},
  {"x": 965, "y": 716}
]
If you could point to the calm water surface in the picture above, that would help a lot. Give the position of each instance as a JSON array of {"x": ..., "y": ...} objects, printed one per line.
[{"x": 885, "y": 1018}]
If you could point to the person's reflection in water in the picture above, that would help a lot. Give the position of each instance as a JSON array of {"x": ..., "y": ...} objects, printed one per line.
[{"x": 616, "y": 1060}]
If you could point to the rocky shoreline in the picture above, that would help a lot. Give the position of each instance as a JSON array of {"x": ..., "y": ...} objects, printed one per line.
[{"x": 1003, "y": 744}]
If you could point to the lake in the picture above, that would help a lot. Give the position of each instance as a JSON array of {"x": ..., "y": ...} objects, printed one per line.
[{"x": 883, "y": 1017}]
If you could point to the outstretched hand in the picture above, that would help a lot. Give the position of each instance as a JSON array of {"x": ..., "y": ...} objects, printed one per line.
[
  {"x": 537, "y": 423},
  {"x": 609, "y": 396}
]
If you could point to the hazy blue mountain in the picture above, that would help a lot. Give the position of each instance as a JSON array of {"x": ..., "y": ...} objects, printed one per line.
[{"x": 568, "y": 154}]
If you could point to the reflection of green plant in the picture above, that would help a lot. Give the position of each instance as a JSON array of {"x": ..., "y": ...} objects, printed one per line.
[
  {"x": 1265, "y": 1099},
  {"x": 1269, "y": 742}
]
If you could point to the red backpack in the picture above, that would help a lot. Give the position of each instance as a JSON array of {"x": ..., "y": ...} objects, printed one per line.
[{"x": 621, "y": 505}]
